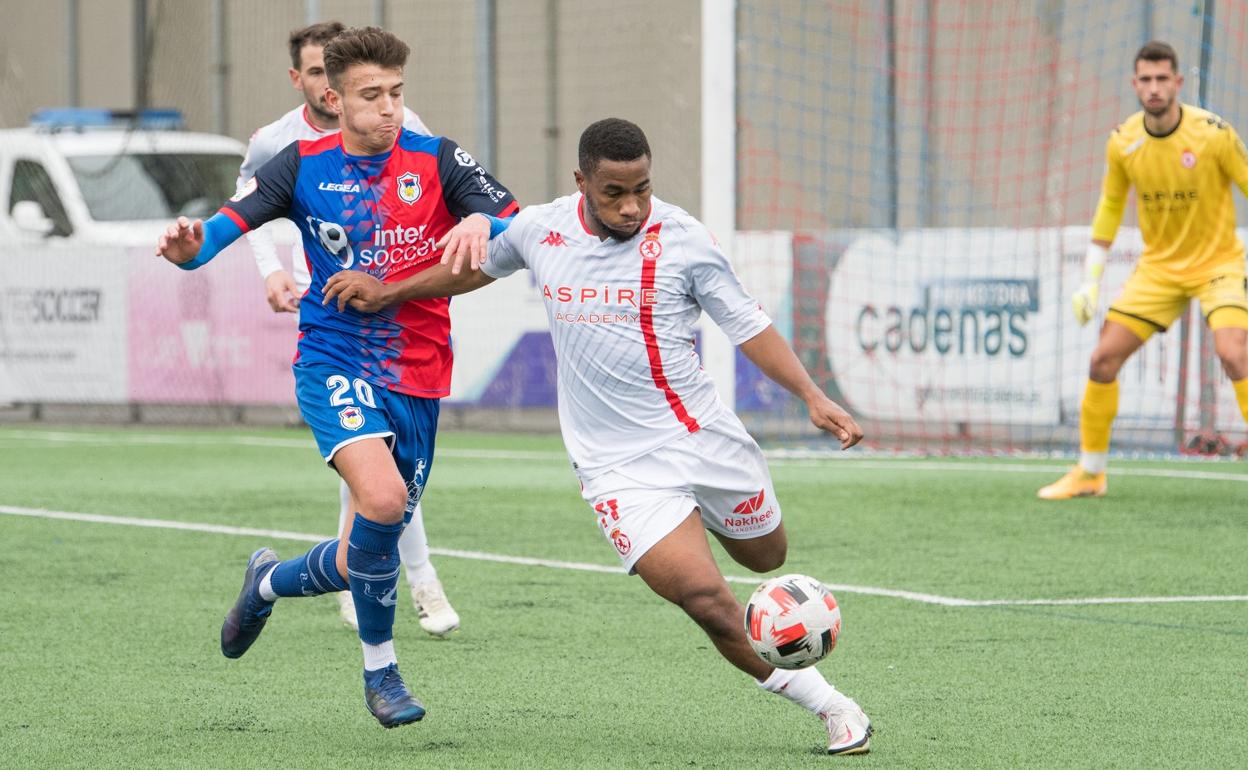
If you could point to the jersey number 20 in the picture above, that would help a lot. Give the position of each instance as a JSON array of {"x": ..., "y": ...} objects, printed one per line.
[{"x": 339, "y": 385}]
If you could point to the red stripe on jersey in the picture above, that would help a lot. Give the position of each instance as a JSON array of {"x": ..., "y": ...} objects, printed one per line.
[
  {"x": 580, "y": 214},
  {"x": 652, "y": 344},
  {"x": 311, "y": 125},
  {"x": 235, "y": 218},
  {"x": 318, "y": 146},
  {"x": 512, "y": 208}
]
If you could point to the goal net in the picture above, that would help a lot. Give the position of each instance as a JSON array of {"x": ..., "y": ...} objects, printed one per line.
[{"x": 916, "y": 180}]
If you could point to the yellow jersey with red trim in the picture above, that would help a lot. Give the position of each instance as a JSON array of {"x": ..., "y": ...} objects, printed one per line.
[{"x": 1182, "y": 187}]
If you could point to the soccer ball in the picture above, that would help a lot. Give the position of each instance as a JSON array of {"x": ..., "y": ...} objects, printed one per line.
[{"x": 792, "y": 621}]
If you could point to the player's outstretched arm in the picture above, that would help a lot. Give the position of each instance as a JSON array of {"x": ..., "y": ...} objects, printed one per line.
[
  {"x": 364, "y": 293},
  {"x": 181, "y": 241},
  {"x": 190, "y": 244},
  {"x": 470, "y": 240},
  {"x": 776, "y": 359}
]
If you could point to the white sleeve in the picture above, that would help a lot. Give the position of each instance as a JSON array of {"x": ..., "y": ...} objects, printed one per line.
[
  {"x": 506, "y": 252},
  {"x": 412, "y": 122},
  {"x": 265, "y": 252},
  {"x": 717, "y": 289},
  {"x": 261, "y": 239},
  {"x": 259, "y": 152}
]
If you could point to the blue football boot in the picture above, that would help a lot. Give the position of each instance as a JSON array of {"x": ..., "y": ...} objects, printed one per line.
[
  {"x": 389, "y": 699},
  {"x": 246, "y": 619}
]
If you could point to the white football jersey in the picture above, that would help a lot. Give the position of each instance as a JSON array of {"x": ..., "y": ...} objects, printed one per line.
[
  {"x": 622, "y": 316},
  {"x": 268, "y": 141}
]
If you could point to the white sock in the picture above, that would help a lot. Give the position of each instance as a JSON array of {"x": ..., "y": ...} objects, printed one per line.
[
  {"x": 1094, "y": 462},
  {"x": 414, "y": 550},
  {"x": 344, "y": 509},
  {"x": 378, "y": 655},
  {"x": 266, "y": 588},
  {"x": 806, "y": 687}
]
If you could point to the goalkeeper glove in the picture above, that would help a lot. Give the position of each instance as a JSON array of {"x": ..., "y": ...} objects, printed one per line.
[{"x": 1085, "y": 300}]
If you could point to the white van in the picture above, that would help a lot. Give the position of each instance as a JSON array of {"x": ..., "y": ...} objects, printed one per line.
[{"x": 97, "y": 176}]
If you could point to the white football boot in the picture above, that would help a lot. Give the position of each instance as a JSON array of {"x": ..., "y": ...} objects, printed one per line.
[
  {"x": 849, "y": 730},
  {"x": 437, "y": 616},
  {"x": 346, "y": 609}
]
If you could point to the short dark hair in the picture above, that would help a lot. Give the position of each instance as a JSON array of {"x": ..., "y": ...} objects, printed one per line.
[
  {"x": 1155, "y": 50},
  {"x": 316, "y": 34},
  {"x": 363, "y": 45},
  {"x": 610, "y": 139}
]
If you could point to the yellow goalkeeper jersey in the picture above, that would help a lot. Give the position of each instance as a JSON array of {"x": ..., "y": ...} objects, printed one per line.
[{"x": 1182, "y": 188}]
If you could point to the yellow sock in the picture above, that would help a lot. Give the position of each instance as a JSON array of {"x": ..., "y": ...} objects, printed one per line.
[
  {"x": 1241, "y": 395},
  {"x": 1097, "y": 413}
]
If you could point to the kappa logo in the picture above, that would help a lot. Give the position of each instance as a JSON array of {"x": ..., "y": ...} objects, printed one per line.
[
  {"x": 409, "y": 187},
  {"x": 650, "y": 248},
  {"x": 751, "y": 505},
  {"x": 351, "y": 418},
  {"x": 553, "y": 239}
]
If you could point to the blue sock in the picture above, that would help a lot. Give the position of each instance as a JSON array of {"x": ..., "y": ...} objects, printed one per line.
[
  {"x": 373, "y": 572},
  {"x": 312, "y": 574}
]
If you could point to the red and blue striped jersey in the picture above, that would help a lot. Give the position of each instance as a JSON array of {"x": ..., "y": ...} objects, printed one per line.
[{"x": 382, "y": 214}]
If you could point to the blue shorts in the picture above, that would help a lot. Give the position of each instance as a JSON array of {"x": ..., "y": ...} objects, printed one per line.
[{"x": 341, "y": 410}]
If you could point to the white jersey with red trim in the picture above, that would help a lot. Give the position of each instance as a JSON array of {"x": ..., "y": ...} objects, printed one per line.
[
  {"x": 267, "y": 142},
  {"x": 622, "y": 316}
]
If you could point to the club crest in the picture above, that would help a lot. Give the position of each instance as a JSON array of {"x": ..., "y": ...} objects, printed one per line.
[
  {"x": 351, "y": 418},
  {"x": 409, "y": 187}
]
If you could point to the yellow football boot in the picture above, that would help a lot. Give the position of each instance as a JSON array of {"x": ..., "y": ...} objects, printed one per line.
[{"x": 1076, "y": 483}]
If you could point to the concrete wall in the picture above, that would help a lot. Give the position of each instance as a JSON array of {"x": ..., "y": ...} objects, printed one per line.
[
  {"x": 1000, "y": 114},
  {"x": 637, "y": 60}
]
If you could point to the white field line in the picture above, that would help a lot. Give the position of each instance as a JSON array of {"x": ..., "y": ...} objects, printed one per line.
[
  {"x": 914, "y": 596},
  {"x": 256, "y": 441},
  {"x": 784, "y": 457}
]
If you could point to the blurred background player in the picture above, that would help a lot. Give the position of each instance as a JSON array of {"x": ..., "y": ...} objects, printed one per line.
[
  {"x": 313, "y": 120},
  {"x": 1181, "y": 160},
  {"x": 660, "y": 458},
  {"x": 377, "y": 198}
]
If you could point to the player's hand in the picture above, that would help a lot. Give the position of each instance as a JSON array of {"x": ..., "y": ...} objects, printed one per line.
[
  {"x": 283, "y": 293},
  {"x": 1084, "y": 302},
  {"x": 181, "y": 241},
  {"x": 828, "y": 416},
  {"x": 360, "y": 290},
  {"x": 468, "y": 239}
]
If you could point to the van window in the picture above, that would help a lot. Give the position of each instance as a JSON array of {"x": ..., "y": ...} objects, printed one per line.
[
  {"x": 32, "y": 183},
  {"x": 154, "y": 186}
]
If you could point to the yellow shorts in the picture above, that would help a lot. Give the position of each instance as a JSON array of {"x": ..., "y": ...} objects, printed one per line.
[{"x": 1151, "y": 301}]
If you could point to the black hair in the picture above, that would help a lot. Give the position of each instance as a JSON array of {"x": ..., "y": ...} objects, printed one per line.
[
  {"x": 610, "y": 139},
  {"x": 1155, "y": 50},
  {"x": 363, "y": 45},
  {"x": 316, "y": 34}
]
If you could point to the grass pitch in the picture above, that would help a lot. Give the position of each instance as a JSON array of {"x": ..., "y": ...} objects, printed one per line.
[{"x": 109, "y": 630}]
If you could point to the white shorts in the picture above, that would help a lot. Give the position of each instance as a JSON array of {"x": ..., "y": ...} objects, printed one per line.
[{"x": 719, "y": 469}]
